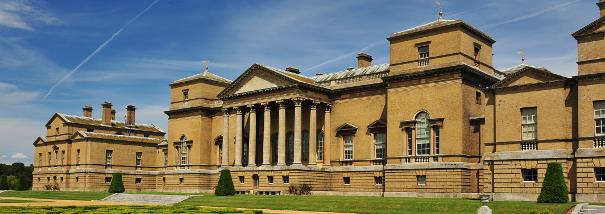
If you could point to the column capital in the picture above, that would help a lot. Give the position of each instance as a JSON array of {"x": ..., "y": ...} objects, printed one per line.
[
  {"x": 266, "y": 106},
  {"x": 281, "y": 103},
  {"x": 252, "y": 108},
  {"x": 225, "y": 111},
  {"x": 314, "y": 104},
  {"x": 328, "y": 107},
  {"x": 238, "y": 110},
  {"x": 298, "y": 101}
]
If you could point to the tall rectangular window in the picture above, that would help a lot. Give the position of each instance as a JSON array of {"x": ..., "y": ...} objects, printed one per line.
[
  {"x": 529, "y": 123},
  {"x": 410, "y": 139},
  {"x": 184, "y": 153},
  {"x": 476, "y": 52},
  {"x": 165, "y": 151},
  {"x": 108, "y": 158},
  {"x": 40, "y": 159},
  {"x": 478, "y": 97},
  {"x": 185, "y": 95},
  {"x": 78, "y": 157},
  {"x": 423, "y": 55},
  {"x": 599, "y": 116},
  {"x": 423, "y": 134},
  {"x": 599, "y": 174},
  {"x": 138, "y": 159},
  {"x": 379, "y": 141},
  {"x": 320, "y": 145},
  {"x": 49, "y": 158},
  {"x": 62, "y": 157},
  {"x": 348, "y": 147},
  {"x": 437, "y": 139},
  {"x": 529, "y": 175}
]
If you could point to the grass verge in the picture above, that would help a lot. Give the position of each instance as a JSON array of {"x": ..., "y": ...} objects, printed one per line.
[
  {"x": 82, "y": 196},
  {"x": 118, "y": 209}
]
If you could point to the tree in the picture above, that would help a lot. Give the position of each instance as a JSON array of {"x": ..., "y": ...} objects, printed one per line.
[
  {"x": 3, "y": 182},
  {"x": 22, "y": 184},
  {"x": 116, "y": 184},
  {"x": 554, "y": 189},
  {"x": 225, "y": 184}
]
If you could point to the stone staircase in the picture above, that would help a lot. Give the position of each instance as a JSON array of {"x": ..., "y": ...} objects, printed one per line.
[
  {"x": 592, "y": 209},
  {"x": 146, "y": 198}
]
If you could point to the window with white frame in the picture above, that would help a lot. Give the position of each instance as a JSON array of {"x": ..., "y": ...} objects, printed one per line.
[
  {"x": 185, "y": 95},
  {"x": 410, "y": 140},
  {"x": 183, "y": 151},
  {"x": 378, "y": 180},
  {"x": 348, "y": 147},
  {"x": 599, "y": 116},
  {"x": 423, "y": 55},
  {"x": 379, "y": 141},
  {"x": 437, "y": 131},
  {"x": 529, "y": 175},
  {"x": 320, "y": 145},
  {"x": 423, "y": 134},
  {"x": 108, "y": 158},
  {"x": 529, "y": 123},
  {"x": 421, "y": 179},
  {"x": 138, "y": 159},
  {"x": 599, "y": 173},
  {"x": 304, "y": 146}
]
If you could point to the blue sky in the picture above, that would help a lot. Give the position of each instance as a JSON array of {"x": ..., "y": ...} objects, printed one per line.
[{"x": 42, "y": 41}]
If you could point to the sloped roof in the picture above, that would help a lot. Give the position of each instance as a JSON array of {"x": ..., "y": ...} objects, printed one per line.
[
  {"x": 205, "y": 75},
  {"x": 349, "y": 73},
  {"x": 99, "y": 122},
  {"x": 439, "y": 23},
  {"x": 513, "y": 73},
  {"x": 589, "y": 29},
  {"x": 105, "y": 136},
  {"x": 42, "y": 139}
]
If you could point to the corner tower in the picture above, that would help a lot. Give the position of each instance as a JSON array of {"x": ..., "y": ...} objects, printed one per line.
[
  {"x": 591, "y": 43},
  {"x": 440, "y": 43}
]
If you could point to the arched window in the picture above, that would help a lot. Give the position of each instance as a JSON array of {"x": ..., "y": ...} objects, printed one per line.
[{"x": 423, "y": 134}]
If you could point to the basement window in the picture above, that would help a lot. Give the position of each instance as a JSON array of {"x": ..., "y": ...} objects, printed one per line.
[
  {"x": 346, "y": 180},
  {"x": 378, "y": 180},
  {"x": 138, "y": 180},
  {"x": 270, "y": 179},
  {"x": 286, "y": 179},
  {"x": 241, "y": 179},
  {"x": 529, "y": 175},
  {"x": 181, "y": 180},
  {"x": 599, "y": 174},
  {"x": 107, "y": 180},
  {"x": 421, "y": 180}
]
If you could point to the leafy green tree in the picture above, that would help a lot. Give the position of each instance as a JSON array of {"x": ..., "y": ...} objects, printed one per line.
[
  {"x": 225, "y": 184},
  {"x": 22, "y": 184},
  {"x": 117, "y": 186},
  {"x": 554, "y": 189},
  {"x": 3, "y": 182}
]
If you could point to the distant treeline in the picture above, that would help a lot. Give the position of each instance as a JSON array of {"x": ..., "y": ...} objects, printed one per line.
[{"x": 17, "y": 175}]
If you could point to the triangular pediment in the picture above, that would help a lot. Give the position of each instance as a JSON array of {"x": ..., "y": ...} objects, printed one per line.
[
  {"x": 40, "y": 141},
  {"x": 261, "y": 78},
  {"x": 529, "y": 75}
]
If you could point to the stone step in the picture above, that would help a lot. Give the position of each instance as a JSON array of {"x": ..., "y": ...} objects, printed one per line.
[
  {"x": 592, "y": 209},
  {"x": 146, "y": 198}
]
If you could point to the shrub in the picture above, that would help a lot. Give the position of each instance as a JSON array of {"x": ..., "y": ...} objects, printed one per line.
[
  {"x": 3, "y": 183},
  {"x": 22, "y": 184},
  {"x": 302, "y": 189},
  {"x": 554, "y": 189},
  {"x": 117, "y": 186},
  {"x": 225, "y": 184},
  {"x": 293, "y": 190}
]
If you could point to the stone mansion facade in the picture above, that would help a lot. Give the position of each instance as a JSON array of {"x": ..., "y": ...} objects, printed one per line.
[{"x": 436, "y": 121}]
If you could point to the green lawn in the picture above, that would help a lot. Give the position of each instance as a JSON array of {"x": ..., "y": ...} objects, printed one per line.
[
  {"x": 117, "y": 209},
  {"x": 83, "y": 196},
  {"x": 15, "y": 201},
  {"x": 372, "y": 204}
]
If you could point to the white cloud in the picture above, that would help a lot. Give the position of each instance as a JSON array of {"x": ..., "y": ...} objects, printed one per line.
[
  {"x": 19, "y": 155},
  {"x": 22, "y": 14},
  {"x": 11, "y": 95}
]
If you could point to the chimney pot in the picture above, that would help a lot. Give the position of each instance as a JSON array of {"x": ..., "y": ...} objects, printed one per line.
[
  {"x": 87, "y": 111},
  {"x": 107, "y": 113},
  {"x": 130, "y": 115},
  {"x": 363, "y": 60},
  {"x": 293, "y": 70}
]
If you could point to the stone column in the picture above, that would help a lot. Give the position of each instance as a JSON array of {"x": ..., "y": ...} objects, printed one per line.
[
  {"x": 225, "y": 158},
  {"x": 252, "y": 138},
  {"x": 297, "y": 131},
  {"x": 327, "y": 135},
  {"x": 238, "y": 136},
  {"x": 313, "y": 134},
  {"x": 267, "y": 135},
  {"x": 281, "y": 136}
]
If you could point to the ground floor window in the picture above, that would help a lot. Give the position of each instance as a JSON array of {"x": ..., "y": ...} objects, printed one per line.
[
  {"x": 270, "y": 179},
  {"x": 286, "y": 179},
  {"x": 241, "y": 179},
  {"x": 378, "y": 180},
  {"x": 599, "y": 173},
  {"x": 379, "y": 141},
  {"x": 348, "y": 147},
  {"x": 138, "y": 180},
  {"x": 181, "y": 180},
  {"x": 107, "y": 180},
  {"x": 346, "y": 180},
  {"x": 320, "y": 145},
  {"x": 421, "y": 179},
  {"x": 529, "y": 175}
]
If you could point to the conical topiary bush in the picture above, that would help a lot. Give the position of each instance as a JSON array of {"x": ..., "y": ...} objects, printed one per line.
[
  {"x": 117, "y": 186},
  {"x": 554, "y": 189},
  {"x": 225, "y": 184}
]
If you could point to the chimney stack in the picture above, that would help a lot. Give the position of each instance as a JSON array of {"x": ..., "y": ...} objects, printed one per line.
[
  {"x": 106, "y": 113},
  {"x": 363, "y": 60},
  {"x": 293, "y": 70},
  {"x": 601, "y": 5},
  {"x": 87, "y": 111},
  {"x": 130, "y": 116}
]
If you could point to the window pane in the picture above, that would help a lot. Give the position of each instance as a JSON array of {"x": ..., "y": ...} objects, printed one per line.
[{"x": 423, "y": 134}]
